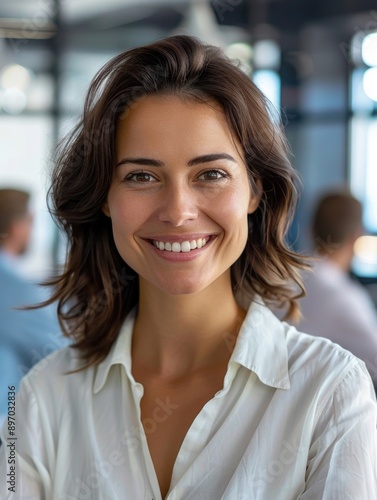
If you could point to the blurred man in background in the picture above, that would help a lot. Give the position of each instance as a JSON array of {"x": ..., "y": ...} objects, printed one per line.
[
  {"x": 337, "y": 306},
  {"x": 25, "y": 336}
]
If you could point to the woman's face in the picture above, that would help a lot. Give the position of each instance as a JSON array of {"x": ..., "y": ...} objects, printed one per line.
[{"x": 180, "y": 194}]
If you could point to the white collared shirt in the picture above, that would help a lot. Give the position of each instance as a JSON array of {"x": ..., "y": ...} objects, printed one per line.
[{"x": 296, "y": 418}]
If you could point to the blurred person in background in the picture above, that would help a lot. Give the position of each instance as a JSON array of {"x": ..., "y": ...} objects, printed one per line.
[
  {"x": 26, "y": 336},
  {"x": 337, "y": 306}
]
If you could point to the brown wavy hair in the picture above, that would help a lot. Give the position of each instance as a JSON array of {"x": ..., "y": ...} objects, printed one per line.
[{"x": 97, "y": 289}]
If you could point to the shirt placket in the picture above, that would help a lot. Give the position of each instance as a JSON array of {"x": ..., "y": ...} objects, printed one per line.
[
  {"x": 152, "y": 493},
  {"x": 198, "y": 436}
]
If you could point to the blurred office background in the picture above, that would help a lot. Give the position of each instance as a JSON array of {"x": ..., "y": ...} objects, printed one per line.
[{"x": 315, "y": 59}]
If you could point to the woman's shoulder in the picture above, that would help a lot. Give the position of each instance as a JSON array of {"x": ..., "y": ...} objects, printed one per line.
[
  {"x": 65, "y": 362},
  {"x": 321, "y": 360},
  {"x": 303, "y": 346}
]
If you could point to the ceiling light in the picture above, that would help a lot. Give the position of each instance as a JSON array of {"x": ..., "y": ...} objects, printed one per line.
[
  {"x": 369, "y": 49},
  {"x": 370, "y": 83},
  {"x": 15, "y": 76},
  {"x": 266, "y": 54},
  {"x": 13, "y": 101}
]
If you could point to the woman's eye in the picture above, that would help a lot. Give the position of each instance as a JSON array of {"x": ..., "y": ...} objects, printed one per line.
[
  {"x": 212, "y": 175},
  {"x": 140, "y": 177}
]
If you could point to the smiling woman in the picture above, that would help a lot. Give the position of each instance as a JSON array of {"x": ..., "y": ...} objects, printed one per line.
[
  {"x": 92, "y": 160},
  {"x": 176, "y": 192}
]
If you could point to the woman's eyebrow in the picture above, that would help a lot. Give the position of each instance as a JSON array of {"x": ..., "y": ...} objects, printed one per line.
[
  {"x": 209, "y": 158},
  {"x": 141, "y": 161},
  {"x": 194, "y": 161}
]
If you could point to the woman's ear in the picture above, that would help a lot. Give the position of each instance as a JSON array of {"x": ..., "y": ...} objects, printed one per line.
[
  {"x": 105, "y": 209},
  {"x": 255, "y": 196}
]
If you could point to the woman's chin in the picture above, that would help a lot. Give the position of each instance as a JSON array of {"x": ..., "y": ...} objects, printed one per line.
[{"x": 182, "y": 286}]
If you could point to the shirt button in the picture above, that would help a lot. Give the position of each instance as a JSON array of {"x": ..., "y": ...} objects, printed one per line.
[{"x": 139, "y": 388}]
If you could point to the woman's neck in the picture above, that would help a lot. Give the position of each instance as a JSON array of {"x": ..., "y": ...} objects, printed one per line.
[{"x": 175, "y": 335}]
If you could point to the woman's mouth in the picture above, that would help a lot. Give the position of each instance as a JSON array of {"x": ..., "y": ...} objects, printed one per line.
[{"x": 184, "y": 246}]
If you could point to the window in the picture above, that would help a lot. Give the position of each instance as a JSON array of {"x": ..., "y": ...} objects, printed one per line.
[{"x": 363, "y": 144}]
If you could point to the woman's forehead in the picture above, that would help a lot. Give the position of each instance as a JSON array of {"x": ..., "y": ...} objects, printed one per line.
[{"x": 161, "y": 123}]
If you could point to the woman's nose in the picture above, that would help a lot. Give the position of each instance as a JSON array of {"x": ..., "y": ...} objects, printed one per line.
[{"x": 179, "y": 205}]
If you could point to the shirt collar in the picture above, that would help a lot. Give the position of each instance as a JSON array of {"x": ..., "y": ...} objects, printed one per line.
[
  {"x": 120, "y": 353},
  {"x": 260, "y": 347}
]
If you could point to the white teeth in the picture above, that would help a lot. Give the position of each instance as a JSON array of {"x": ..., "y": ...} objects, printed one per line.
[
  {"x": 185, "y": 246},
  {"x": 176, "y": 247}
]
